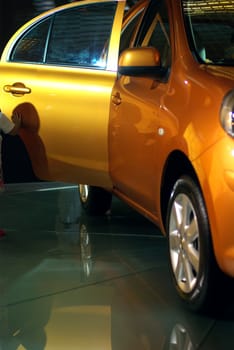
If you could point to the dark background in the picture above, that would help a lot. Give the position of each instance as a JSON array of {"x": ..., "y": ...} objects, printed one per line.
[{"x": 14, "y": 13}]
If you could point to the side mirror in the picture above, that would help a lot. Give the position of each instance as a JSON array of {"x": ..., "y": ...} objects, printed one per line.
[{"x": 142, "y": 62}]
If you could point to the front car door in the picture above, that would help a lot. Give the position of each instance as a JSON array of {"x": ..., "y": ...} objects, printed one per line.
[
  {"x": 137, "y": 130},
  {"x": 58, "y": 71}
]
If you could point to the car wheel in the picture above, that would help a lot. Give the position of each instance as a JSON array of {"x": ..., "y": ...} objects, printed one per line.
[
  {"x": 95, "y": 200},
  {"x": 192, "y": 263}
]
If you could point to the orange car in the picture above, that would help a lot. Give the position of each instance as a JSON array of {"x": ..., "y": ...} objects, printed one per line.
[{"x": 142, "y": 109}]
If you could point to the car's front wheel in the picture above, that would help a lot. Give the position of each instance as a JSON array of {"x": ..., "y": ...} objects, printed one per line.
[
  {"x": 94, "y": 200},
  {"x": 192, "y": 263}
]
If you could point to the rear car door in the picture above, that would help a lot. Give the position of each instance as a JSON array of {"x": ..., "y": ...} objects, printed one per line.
[{"x": 58, "y": 71}]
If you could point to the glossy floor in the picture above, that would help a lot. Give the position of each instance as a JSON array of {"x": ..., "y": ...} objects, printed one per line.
[{"x": 102, "y": 283}]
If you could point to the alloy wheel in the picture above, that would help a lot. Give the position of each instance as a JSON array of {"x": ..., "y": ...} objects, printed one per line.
[{"x": 184, "y": 243}]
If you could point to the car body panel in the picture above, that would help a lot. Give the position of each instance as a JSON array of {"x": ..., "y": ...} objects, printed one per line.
[
  {"x": 217, "y": 165},
  {"x": 68, "y": 146},
  {"x": 135, "y": 137},
  {"x": 59, "y": 146}
]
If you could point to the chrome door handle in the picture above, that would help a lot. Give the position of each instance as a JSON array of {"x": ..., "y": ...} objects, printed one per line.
[{"x": 17, "y": 89}]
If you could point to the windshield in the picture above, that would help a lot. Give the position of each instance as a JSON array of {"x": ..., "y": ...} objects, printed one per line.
[{"x": 210, "y": 28}]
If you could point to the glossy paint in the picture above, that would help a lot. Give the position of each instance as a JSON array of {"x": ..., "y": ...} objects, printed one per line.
[
  {"x": 121, "y": 132},
  {"x": 156, "y": 119},
  {"x": 65, "y": 135}
]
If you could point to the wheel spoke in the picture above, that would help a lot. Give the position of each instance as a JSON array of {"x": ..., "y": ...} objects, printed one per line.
[
  {"x": 192, "y": 255},
  {"x": 174, "y": 240},
  {"x": 191, "y": 245},
  {"x": 183, "y": 272},
  {"x": 188, "y": 274},
  {"x": 185, "y": 209},
  {"x": 184, "y": 242},
  {"x": 179, "y": 267},
  {"x": 177, "y": 215},
  {"x": 192, "y": 231}
]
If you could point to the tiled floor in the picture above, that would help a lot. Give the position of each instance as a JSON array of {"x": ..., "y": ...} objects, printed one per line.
[{"x": 68, "y": 281}]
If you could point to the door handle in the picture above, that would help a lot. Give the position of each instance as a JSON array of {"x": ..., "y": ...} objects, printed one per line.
[
  {"x": 17, "y": 89},
  {"x": 116, "y": 99}
]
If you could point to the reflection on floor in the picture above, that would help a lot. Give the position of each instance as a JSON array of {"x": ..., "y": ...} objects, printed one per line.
[{"x": 68, "y": 281}]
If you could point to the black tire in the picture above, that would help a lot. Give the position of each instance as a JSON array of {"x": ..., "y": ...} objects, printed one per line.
[
  {"x": 195, "y": 273},
  {"x": 94, "y": 200}
]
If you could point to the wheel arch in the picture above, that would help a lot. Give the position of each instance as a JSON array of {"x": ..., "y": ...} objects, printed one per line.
[
  {"x": 202, "y": 298},
  {"x": 177, "y": 164}
]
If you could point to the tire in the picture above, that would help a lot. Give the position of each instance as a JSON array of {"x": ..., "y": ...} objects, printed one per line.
[
  {"x": 94, "y": 200},
  {"x": 194, "y": 270}
]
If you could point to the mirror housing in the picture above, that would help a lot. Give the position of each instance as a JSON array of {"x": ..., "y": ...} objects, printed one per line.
[{"x": 142, "y": 62}]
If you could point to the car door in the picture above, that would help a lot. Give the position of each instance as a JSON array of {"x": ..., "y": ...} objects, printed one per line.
[
  {"x": 139, "y": 120},
  {"x": 58, "y": 71}
]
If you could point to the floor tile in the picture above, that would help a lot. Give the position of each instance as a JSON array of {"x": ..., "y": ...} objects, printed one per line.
[{"x": 69, "y": 281}]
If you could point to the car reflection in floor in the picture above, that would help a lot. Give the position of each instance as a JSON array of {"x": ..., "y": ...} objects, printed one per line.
[{"x": 69, "y": 281}]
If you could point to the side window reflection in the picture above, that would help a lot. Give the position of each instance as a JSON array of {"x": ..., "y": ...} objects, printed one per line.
[
  {"x": 79, "y": 36},
  {"x": 128, "y": 32},
  {"x": 157, "y": 34},
  {"x": 30, "y": 47}
]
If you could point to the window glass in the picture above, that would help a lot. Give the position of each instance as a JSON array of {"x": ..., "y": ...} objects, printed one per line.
[
  {"x": 30, "y": 47},
  {"x": 156, "y": 33},
  {"x": 80, "y": 35},
  {"x": 128, "y": 31},
  {"x": 210, "y": 30}
]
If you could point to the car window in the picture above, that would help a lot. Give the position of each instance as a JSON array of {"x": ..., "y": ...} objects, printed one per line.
[
  {"x": 128, "y": 31},
  {"x": 155, "y": 31},
  {"x": 79, "y": 35},
  {"x": 210, "y": 29},
  {"x": 31, "y": 46}
]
